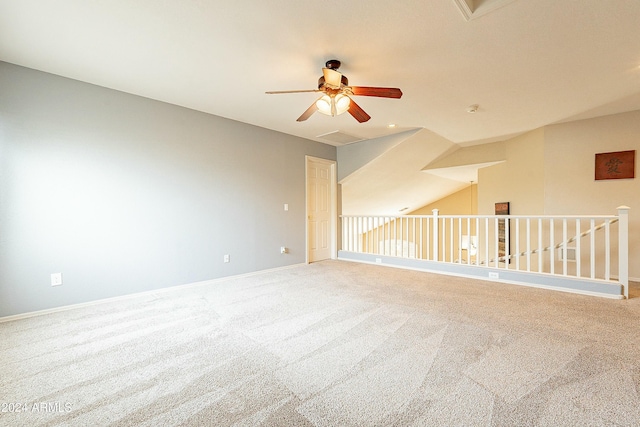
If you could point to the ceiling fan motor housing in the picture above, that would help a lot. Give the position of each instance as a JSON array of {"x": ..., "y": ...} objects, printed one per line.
[
  {"x": 333, "y": 64},
  {"x": 344, "y": 80}
]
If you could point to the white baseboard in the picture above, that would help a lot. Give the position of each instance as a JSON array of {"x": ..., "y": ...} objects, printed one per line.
[
  {"x": 584, "y": 286},
  {"x": 140, "y": 294}
]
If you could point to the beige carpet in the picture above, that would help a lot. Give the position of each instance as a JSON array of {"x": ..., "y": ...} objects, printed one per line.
[{"x": 329, "y": 344}]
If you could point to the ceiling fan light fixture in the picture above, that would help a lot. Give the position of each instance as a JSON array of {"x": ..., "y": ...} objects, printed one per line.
[
  {"x": 333, "y": 105},
  {"x": 342, "y": 103},
  {"x": 324, "y": 105}
]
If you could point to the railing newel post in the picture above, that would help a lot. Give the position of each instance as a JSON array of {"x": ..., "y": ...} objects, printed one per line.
[{"x": 623, "y": 248}]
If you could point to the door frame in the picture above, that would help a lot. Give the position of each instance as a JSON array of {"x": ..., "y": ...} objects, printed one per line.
[{"x": 333, "y": 231}]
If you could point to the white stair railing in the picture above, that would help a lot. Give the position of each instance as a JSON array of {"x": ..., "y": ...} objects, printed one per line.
[{"x": 581, "y": 246}]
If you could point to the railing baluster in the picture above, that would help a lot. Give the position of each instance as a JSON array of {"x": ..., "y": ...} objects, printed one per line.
[
  {"x": 486, "y": 241},
  {"x": 452, "y": 242},
  {"x": 365, "y": 232},
  {"x": 507, "y": 242},
  {"x": 355, "y": 234},
  {"x": 539, "y": 245},
  {"x": 400, "y": 240},
  {"x": 395, "y": 236},
  {"x": 378, "y": 224},
  {"x": 578, "y": 263},
  {"x": 564, "y": 247},
  {"x": 436, "y": 237},
  {"x": 552, "y": 244},
  {"x": 381, "y": 225},
  {"x": 470, "y": 243},
  {"x": 370, "y": 236},
  {"x": 407, "y": 240},
  {"x": 528, "y": 244},
  {"x": 415, "y": 242},
  {"x": 592, "y": 249},
  {"x": 517, "y": 239},
  {"x": 398, "y": 234},
  {"x": 358, "y": 234},
  {"x": 430, "y": 237},
  {"x": 421, "y": 241},
  {"x": 347, "y": 234},
  {"x": 497, "y": 244},
  {"x": 401, "y": 237},
  {"x": 391, "y": 235},
  {"x": 451, "y": 235},
  {"x": 460, "y": 240},
  {"x": 444, "y": 239},
  {"x": 607, "y": 253}
]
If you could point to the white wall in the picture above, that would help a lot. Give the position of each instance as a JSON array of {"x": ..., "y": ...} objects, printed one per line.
[
  {"x": 519, "y": 180},
  {"x": 124, "y": 194},
  {"x": 463, "y": 202},
  {"x": 569, "y": 162}
]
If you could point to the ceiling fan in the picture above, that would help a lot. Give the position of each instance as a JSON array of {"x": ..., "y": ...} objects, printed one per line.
[{"x": 336, "y": 98}]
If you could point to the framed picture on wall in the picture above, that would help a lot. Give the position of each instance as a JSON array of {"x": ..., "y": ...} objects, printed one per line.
[
  {"x": 615, "y": 165},
  {"x": 503, "y": 209}
]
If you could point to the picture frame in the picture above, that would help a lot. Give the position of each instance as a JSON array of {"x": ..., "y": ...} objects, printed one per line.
[{"x": 615, "y": 165}]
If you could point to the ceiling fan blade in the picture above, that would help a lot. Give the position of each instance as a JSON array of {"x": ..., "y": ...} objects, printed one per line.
[
  {"x": 312, "y": 109},
  {"x": 292, "y": 91},
  {"x": 382, "y": 92},
  {"x": 358, "y": 113},
  {"x": 332, "y": 78}
]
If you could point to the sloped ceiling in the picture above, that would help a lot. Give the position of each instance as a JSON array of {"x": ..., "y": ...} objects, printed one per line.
[
  {"x": 394, "y": 181},
  {"x": 526, "y": 63}
]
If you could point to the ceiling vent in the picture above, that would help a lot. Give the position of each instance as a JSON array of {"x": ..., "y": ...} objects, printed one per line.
[
  {"x": 338, "y": 137},
  {"x": 472, "y": 9}
]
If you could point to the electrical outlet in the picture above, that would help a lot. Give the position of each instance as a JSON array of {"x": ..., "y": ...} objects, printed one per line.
[
  {"x": 227, "y": 258},
  {"x": 286, "y": 206},
  {"x": 494, "y": 275},
  {"x": 378, "y": 260},
  {"x": 56, "y": 279}
]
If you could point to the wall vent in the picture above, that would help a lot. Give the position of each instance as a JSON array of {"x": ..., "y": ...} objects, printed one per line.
[{"x": 571, "y": 254}]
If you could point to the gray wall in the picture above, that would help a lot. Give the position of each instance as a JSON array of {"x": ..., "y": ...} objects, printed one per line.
[{"x": 124, "y": 194}]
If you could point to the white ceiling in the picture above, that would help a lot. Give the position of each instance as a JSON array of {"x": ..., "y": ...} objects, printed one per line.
[{"x": 526, "y": 63}]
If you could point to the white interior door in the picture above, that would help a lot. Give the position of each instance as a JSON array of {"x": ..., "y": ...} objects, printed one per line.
[{"x": 320, "y": 209}]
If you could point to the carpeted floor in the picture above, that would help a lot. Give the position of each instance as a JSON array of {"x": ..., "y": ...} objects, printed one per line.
[{"x": 329, "y": 344}]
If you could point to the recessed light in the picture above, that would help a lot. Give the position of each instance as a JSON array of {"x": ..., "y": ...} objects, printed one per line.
[
  {"x": 472, "y": 108},
  {"x": 391, "y": 125}
]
